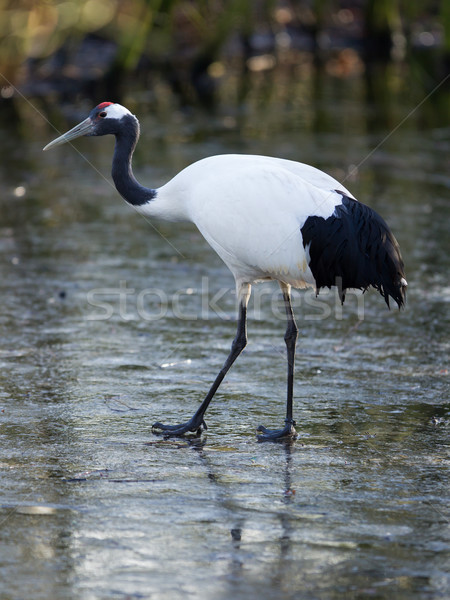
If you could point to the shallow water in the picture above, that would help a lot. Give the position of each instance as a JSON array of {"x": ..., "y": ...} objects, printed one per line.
[{"x": 109, "y": 324}]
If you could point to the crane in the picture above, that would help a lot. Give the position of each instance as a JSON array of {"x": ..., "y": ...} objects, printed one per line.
[{"x": 268, "y": 219}]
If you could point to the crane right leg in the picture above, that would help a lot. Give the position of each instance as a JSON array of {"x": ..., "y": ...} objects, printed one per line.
[{"x": 290, "y": 337}]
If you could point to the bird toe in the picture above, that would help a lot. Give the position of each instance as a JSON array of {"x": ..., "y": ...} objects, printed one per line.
[{"x": 288, "y": 433}]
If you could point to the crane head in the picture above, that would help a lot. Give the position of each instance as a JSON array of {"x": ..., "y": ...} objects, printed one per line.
[{"x": 102, "y": 120}]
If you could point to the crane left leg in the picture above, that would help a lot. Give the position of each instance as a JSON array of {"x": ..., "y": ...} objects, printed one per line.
[
  {"x": 290, "y": 338},
  {"x": 197, "y": 423}
]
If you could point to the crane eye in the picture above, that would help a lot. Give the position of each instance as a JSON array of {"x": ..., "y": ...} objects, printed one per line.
[{"x": 102, "y": 114}]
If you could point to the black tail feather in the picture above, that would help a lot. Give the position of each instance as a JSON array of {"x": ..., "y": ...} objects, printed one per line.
[{"x": 354, "y": 248}]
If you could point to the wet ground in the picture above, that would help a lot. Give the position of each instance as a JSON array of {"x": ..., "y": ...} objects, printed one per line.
[{"x": 108, "y": 324}]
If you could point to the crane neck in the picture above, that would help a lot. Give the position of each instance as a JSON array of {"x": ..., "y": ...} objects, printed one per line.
[{"x": 122, "y": 173}]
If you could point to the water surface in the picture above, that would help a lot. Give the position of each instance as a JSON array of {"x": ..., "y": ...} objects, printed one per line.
[{"x": 109, "y": 324}]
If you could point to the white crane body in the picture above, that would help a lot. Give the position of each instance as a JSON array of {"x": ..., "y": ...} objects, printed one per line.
[
  {"x": 268, "y": 219},
  {"x": 253, "y": 219}
]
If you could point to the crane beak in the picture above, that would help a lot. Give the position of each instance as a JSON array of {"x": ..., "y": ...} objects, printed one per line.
[{"x": 84, "y": 128}]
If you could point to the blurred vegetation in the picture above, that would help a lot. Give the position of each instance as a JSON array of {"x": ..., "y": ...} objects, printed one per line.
[{"x": 61, "y": 49}]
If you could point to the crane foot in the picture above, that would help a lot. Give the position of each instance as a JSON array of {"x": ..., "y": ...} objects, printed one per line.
[
  {"x": 288, "y": 433},
  {"x": 194, "y": 426}
]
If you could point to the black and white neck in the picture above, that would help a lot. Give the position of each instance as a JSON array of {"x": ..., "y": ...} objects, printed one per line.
[
  {"x": 163, "y": 203},
  {"x": 127, "y": 135}
]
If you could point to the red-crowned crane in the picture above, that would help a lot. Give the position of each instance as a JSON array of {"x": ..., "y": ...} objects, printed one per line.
[{"x": 268, "y": 219}]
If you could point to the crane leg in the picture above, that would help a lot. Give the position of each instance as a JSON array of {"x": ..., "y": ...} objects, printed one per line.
[
  {"x": 197, "y": 423},
  {"x": 290, "y": 337}
]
